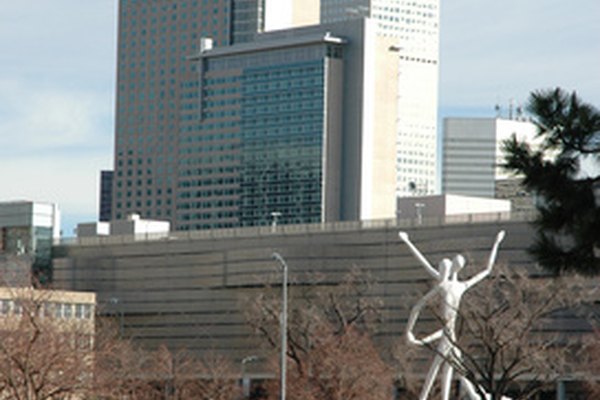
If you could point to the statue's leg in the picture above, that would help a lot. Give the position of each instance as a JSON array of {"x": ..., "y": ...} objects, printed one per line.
[
  {"x": 468, "y": 387},
  {"x": 465, "y": 384},
  {"x": 433, "y": 370},
  {"x": 446, "y": 380}
]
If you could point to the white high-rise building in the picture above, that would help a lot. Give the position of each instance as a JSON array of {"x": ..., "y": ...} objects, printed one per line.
[
  {"x": 415, "y": 25},
  {"x": 473, "y": 153}
]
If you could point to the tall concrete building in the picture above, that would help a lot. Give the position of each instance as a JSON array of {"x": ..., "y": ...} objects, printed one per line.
[
  {"x": 297, "y": 123},
  {"x": 472, "y": 153},
  {"x": 155, "y": 40},
  {"x": 216, "y": 131},
  {"x": 414, "y": 27}
]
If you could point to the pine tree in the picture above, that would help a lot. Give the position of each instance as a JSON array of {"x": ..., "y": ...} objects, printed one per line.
[{"x": 568, "y": 222}]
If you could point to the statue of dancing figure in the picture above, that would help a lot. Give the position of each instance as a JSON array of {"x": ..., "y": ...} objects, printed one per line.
[{"x": 451, "y": 291}]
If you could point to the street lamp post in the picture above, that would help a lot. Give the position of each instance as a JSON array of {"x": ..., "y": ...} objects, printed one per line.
[
  {"x": 419, "y": 208},
  {"x": 117, "y": 308},
  {"x": 275, "y": 215},
  {"x": 246, "y": 382},
  {"x": 596, "y": 193},
  {"x": 283, "y": 320}
]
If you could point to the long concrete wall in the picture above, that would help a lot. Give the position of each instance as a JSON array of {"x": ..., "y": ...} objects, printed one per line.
[{"x": 190, "y": 290}]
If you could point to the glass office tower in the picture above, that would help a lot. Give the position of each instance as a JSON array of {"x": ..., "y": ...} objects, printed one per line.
[{"x": 253, "y": 142}]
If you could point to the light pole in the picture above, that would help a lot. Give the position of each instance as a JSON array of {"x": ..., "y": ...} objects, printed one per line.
[
  {"x": 114, "y": 301},
  {"x": 419, "y": 209},
  {"x": 275, "y": 215},
  {"x": 596, "y": 193},
  {"x": 246, "y": 382},
  {"x": 283, "y": 320}
]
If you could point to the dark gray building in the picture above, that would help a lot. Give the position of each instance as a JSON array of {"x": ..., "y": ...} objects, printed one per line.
[
  {"x": 106, "y": 189},
  {"x": 155, "y": 38}
]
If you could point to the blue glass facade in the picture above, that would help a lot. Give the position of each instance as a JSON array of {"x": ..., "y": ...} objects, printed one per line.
[
  {"x": 209, "y": 153},
  {"x": 252, "y": 139},
  {"x": 282, "y": 142}
]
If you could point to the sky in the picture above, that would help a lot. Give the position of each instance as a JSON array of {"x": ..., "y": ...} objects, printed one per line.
[{"x": 58, "y": 67}]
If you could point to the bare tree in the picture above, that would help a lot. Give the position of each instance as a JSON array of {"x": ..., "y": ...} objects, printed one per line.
[
  {"x": 329, "y": 342},
  {"x": 183, "y": 376},
  {"x": 512, "y": 336},
  {"x": 125, "y": 371},
  {"x": 218, "y": 378},
  {"x": 589, "y": 376},
  {"x": 122, "y": 370},
  {"x": 41, "y": 356}
]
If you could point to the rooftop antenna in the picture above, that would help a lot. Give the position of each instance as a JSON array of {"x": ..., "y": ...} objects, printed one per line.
[
  {"x": 412, "y": 187},
  {"x": 520, "y": 113},
  {"x": 511, "y": 105},
  {"x": 498, "y": 110}
]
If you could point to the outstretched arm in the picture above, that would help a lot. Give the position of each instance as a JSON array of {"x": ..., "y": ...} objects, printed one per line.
[
  {"x": 430, "y": 270},
  {"x": 480, "y": 276},
  {"x": 412, "y": 320}
]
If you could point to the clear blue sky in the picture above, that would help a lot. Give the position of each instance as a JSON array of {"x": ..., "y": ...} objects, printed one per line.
[{"x": 57, "y": 80}]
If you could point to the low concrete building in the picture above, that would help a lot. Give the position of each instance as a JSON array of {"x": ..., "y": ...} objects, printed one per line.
[
  {"x": 134, "y": 226},
  {"x": 190, "y": 289},
  {"x": 70, "y": 310},
  {"x": 28, "y": 229},
  {"x": 92, "y": 229},
  {"x": 446, "y": 206}
]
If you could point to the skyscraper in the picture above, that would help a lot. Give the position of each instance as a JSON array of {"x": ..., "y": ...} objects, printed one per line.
[
  {"x": 414, "y": 26},
  {"x": 155, "y": 40},
  {"x": 296, "y": 122},
  {"x": 215, "y": 130},
  {"x": 105, "y": 198}
]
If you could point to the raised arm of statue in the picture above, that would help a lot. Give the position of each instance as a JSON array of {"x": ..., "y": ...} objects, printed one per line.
[
  {"x": 414, "y": 316},
  {"x": 480, "y": 276},
  {"x": 430, "y": 270}
]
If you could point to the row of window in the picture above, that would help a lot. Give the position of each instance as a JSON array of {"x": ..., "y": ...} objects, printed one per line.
[
  {"x": 306, "y": 133},
  {"x": 209, "y": 138},
  {"x": 138, "y": 203},
  {"x": 279, "y": 96},
  {"x": 274, "y": 108},
  {"x": 208, "y": 193},
  {"x": 212, "y": 126},
  {"x": 282, "y": 85},
  {"x": 209, "y": 171},
  {"x": 283, "y": 120},
  {"x": 209, "y": 182},
  {"x": 49, "y": 309},
  {"x": 205, "y": 205},
  {"x": 210, "y": 215},
  {"x": 209, "y": 148}
]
